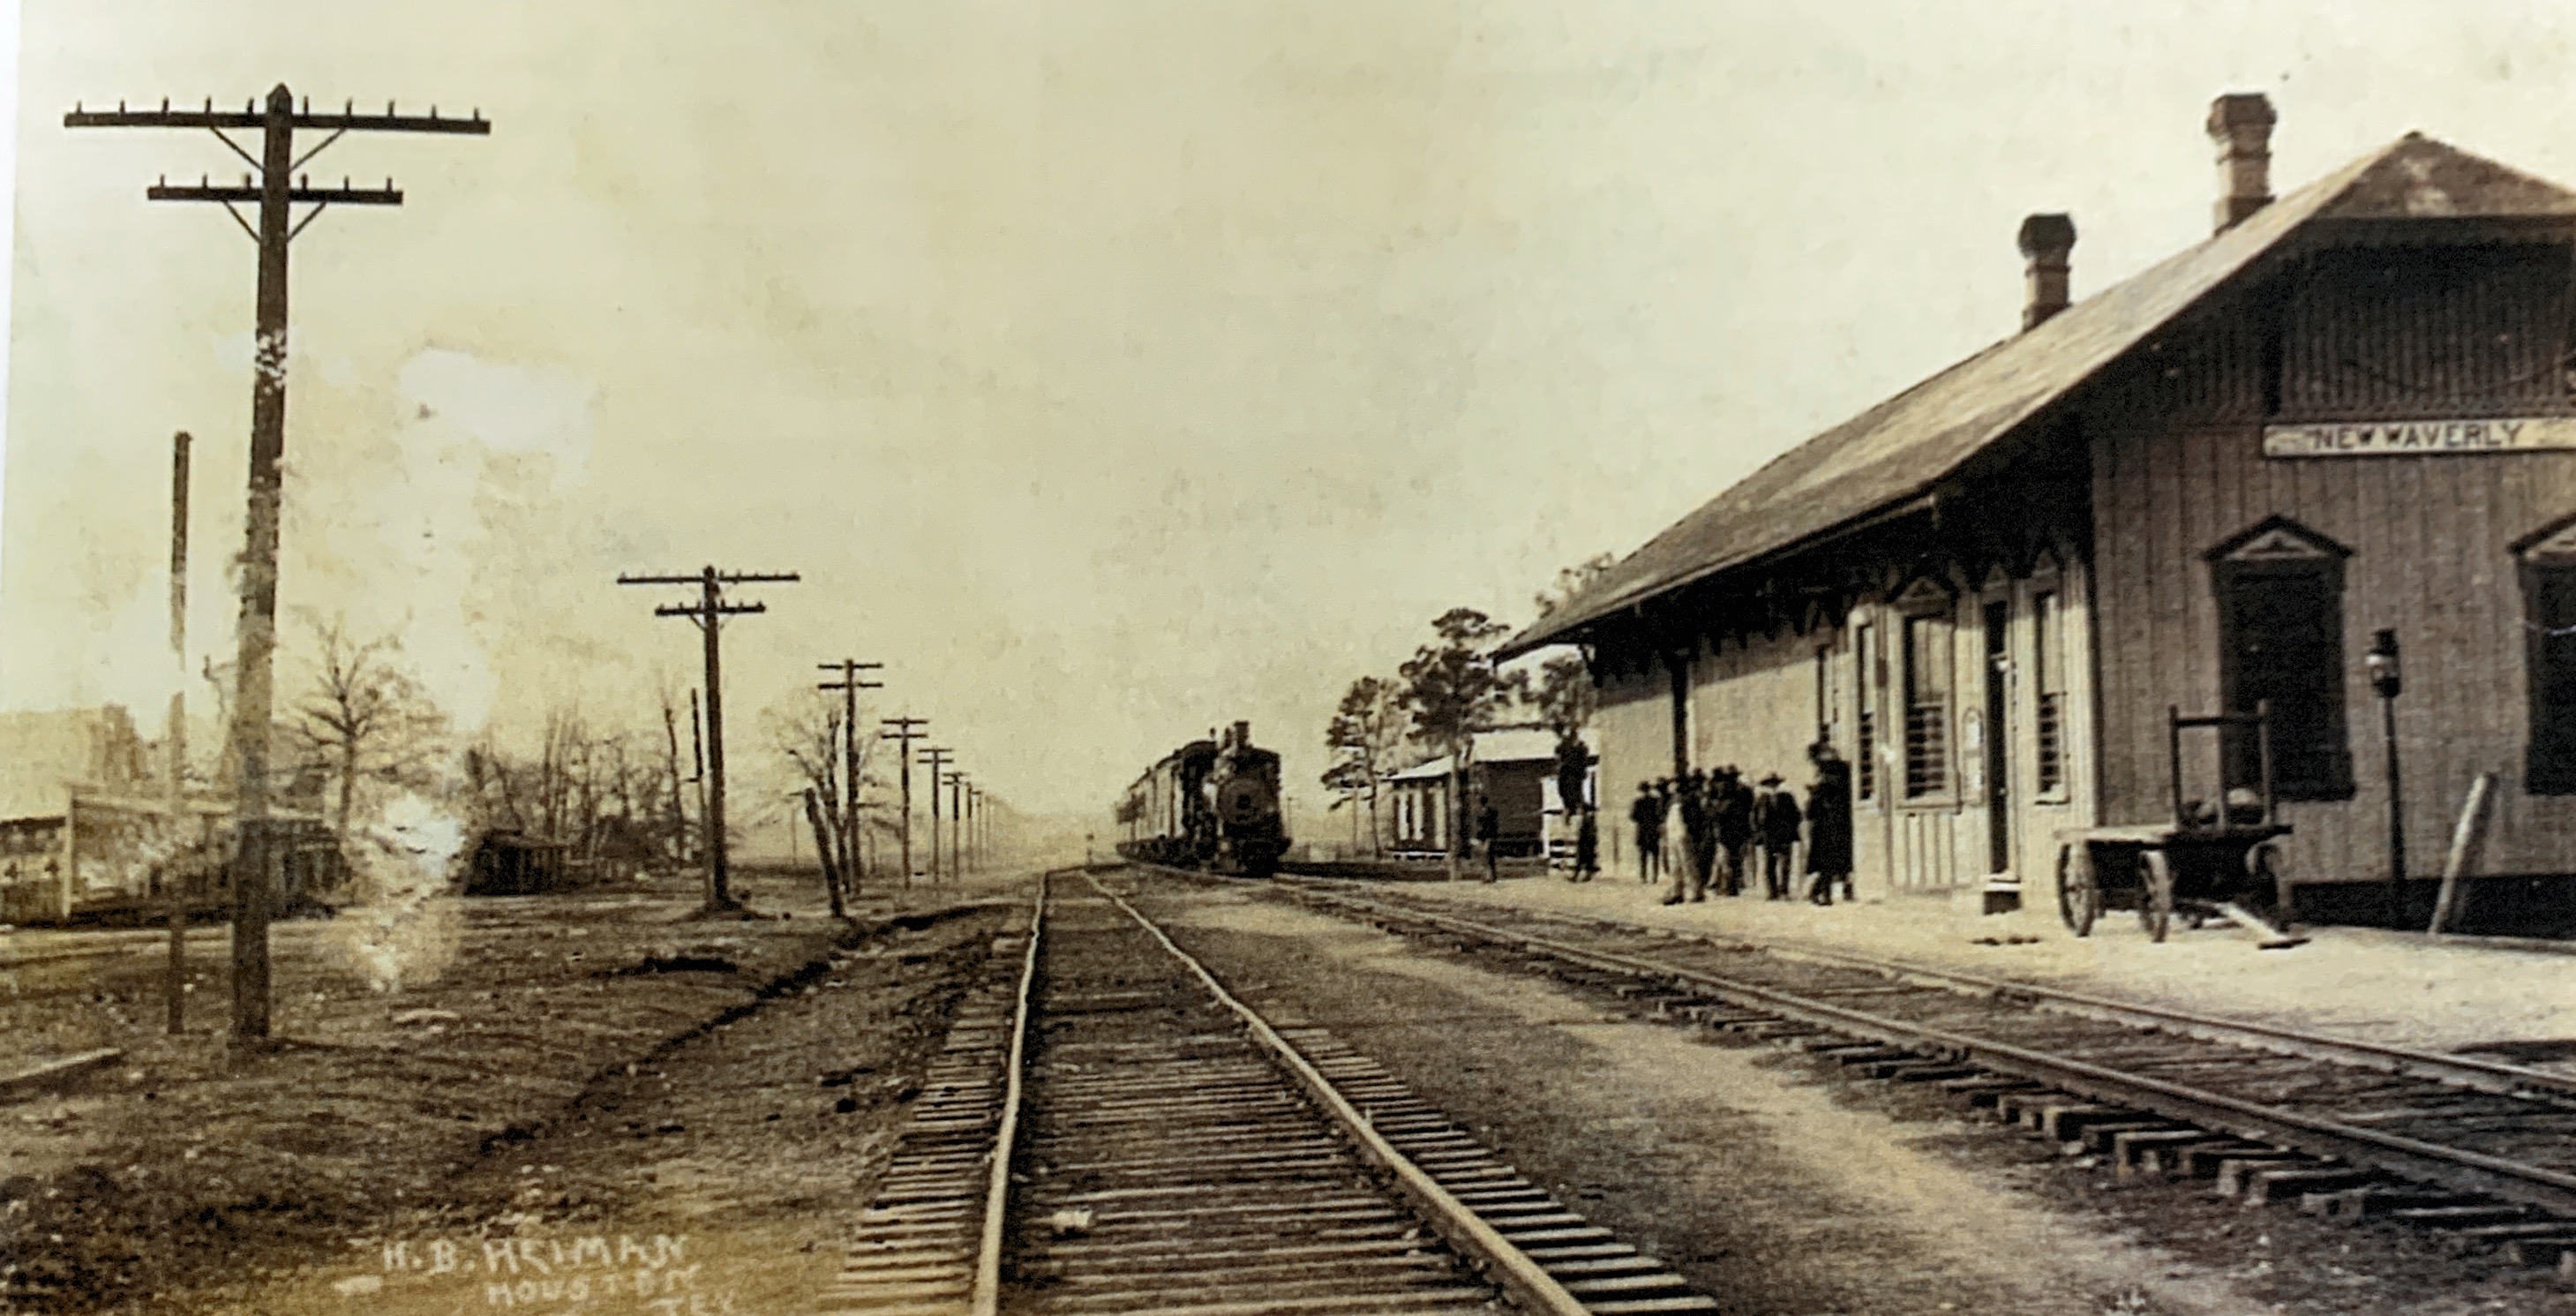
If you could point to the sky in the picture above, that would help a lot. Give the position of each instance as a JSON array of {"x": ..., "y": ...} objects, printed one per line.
[{"x": 1110, "y": 370}]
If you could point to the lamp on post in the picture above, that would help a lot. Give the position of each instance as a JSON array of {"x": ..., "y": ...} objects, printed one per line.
[{"x": 2387, "y": 678}]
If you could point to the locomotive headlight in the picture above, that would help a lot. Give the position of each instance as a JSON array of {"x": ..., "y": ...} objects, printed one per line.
[{"x": 1239, "y": 799}]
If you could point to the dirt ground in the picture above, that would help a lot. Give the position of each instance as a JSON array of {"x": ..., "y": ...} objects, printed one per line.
[
  {"x": 1780, "y": 1185},
  {"x": 590, "y": 1060}
]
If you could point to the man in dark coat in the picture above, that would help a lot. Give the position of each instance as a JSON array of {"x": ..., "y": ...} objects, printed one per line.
[
  {"x": 1648, "y": 816},
  {"x": 1587, "y": 847},
  {"x": 1829, "y": 825},
  {"x": 1489, "y": 827},
  {"x": 1573, "y": 778},
  {"x": 1732, "y": 816},
  {"x": 1775, "y": 824}
]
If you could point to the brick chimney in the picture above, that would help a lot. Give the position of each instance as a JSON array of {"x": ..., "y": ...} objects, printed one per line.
[
  {"x": 2240, "y": 123},
  {"x": 2046, "y": 241}
]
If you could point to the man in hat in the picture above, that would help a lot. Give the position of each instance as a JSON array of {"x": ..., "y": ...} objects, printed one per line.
[
  {"x": 1829, "y": 825},
  {"x": 1732, "y": 815},
  {"x": 1648, "y": 816},
  {"x": 1775, "y": 823},
  {"x": 1489, "y": 830}
]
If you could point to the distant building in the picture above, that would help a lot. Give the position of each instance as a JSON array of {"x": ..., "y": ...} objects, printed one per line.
[
  {"x": 82, "y": 831},
  {"x": 2351, "y": 408},
  {"x": 1514, "y": 767}
]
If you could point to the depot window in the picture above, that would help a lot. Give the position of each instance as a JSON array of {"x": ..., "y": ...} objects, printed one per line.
[
  {"x": 2549, "y": 595},
  {"x": 2048, "y": 681},
  {"x": 2548, "y": 562},
  {"x": 2279, "y": 590},
  {"x": 1927, "y": 705}
]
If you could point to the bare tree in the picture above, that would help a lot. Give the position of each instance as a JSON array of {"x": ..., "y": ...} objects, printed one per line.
[
  {"x": 366, "y": 715},
  {"x": 806, "y": 732}
]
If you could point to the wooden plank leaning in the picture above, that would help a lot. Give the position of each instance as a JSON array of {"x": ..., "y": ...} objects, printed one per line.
[{"x": 2464, "y": 839}]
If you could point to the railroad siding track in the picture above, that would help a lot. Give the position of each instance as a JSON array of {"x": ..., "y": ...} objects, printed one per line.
[
  {"x": 2478, "y": 1151},
  {"x": 1172, "y": 1152},
  {"x": 914, "y": 1249}
]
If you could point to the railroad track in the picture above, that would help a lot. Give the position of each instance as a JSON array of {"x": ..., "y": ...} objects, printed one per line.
[
  {"x": 1161, "y": 1147},
  {"x": 2478, "y": 1150}
]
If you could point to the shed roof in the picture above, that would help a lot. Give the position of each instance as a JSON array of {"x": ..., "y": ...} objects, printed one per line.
[
  {"x": 1508, "y": 745},
  {"x": 1899, "y": 450}
]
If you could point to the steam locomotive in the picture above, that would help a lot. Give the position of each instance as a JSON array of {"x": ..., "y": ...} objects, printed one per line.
[{"x": 1211, "y": 804}]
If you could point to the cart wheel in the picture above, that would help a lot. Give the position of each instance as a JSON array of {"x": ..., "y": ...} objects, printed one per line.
[
  {"x": 2079, "y": 897},
  {"x": 2156, "y": 903}
]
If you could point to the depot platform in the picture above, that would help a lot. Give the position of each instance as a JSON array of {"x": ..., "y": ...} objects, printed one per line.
[{"x": 2362, "y": 983}]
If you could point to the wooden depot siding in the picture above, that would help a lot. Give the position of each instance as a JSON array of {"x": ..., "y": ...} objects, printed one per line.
[
  {"x": 1633, "y": 720},
  {"x": 2179, "y": 469},
  {"x": 1753, "y": 703}
]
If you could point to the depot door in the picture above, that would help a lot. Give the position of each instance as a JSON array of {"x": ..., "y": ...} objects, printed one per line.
[{"x": 1999, "y": 737}]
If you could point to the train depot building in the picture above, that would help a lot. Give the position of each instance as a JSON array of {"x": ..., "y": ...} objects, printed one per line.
[{"x": 2350, "y": 410}]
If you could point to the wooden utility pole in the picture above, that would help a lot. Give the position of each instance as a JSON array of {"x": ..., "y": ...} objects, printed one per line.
[
  {"x": 709, "y": 613},
  {"x": 679, "y": 816},
  {"x": 276, "y": 189},
  {"x": 174, "y": 746},
  {"x": 849, "y": 685},
  {"x": 937, "y": 757},
  {"x": 904, "y": 731},
  {"x": 956, "y": 825},
  {"x": 975, "y": 835}
]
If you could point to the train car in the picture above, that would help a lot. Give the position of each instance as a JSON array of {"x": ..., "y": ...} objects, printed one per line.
[{"x": 1211, "y": 804}]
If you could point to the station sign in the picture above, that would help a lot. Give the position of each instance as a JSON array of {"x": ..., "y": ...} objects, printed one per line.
[{"x": 2420, "y": 438}]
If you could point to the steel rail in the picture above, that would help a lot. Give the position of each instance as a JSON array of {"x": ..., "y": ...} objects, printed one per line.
[
  {"x": 2451, "y": 1166},
  {"x": 1518, "y": 1273},
  {"x": 2484, "y": 1075},
  {"x": 986, "y": 1297}
]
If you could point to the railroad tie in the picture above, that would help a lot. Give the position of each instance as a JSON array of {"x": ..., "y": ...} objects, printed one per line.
[
  {"x": 2485, "y": 1238},
  {"x": 2132, "y": 1148},
  {"x": 2266, "y": 1185}
]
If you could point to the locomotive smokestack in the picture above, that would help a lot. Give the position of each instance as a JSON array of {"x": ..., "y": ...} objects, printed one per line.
[{"x": 1242, "y": 733}]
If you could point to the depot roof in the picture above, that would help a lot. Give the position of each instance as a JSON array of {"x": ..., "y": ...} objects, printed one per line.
[{"x": 1896, "y": 452}]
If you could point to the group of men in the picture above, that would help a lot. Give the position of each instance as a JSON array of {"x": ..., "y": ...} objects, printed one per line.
[{"x": 1706, "y": 827}]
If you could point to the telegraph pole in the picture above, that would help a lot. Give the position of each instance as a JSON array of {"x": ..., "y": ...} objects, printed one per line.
[
  {"x": 956, "y": 825},
  {"x": 974, "y": 831},
  {"x": 679, "y": 816},
  {"x": 937, "y": 757},
  {"x": 175, "y": 744},
  {"x": 975, "y": 815},
  {"x": 709, "y": 613},
  {"x": 849, "y": 685},
  {"x": 276, "y": 189},
  {"x": 905, "y": 730}
]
